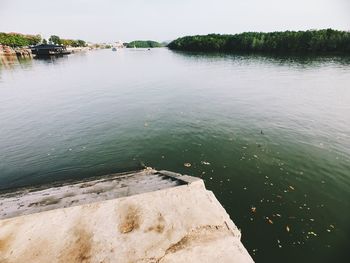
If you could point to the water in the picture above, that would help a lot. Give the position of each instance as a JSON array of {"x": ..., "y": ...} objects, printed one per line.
[{"x": 267, "y": 134}]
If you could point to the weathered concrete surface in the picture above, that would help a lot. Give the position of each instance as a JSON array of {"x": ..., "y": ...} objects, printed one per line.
[
  {"x": 184, "y": 223},
  {"x": 33, "y": 200}
]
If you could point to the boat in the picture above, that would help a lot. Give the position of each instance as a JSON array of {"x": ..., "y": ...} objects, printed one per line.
[{"x": 49, "y": 50}]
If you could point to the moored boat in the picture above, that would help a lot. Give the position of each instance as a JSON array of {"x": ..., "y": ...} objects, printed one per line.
[{"x": 49, "y": 50}]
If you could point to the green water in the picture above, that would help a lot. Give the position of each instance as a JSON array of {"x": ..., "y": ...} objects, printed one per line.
[{"x": 266, "y": 132}]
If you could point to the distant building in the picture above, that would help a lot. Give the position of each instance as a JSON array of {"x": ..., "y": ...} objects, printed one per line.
[{"x": 119, "y": 44}]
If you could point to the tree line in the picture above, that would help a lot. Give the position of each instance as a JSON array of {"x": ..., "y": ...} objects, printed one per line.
[
  {"x": 318, "y": 41},
  {"x": 67, "y": 42},
  {"x": 143, "y": 44},
  {"x": 21, "y": 40}
]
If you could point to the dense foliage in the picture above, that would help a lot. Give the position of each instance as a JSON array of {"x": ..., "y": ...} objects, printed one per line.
[
  {"x": 327, "y": 40},
  {"x": 73, "y": 43},
  {"x": 55, "y": 40},
  {"x": 19, "y": 40},
  {"x": 143, "y": 44},
  {"x": 67, "y": 42}
]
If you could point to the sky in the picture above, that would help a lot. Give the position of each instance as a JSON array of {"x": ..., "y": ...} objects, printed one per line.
[{"x": 163, "y": 20}]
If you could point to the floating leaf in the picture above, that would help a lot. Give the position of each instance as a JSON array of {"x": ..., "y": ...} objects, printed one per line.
[{"x": 312, "y": 233}]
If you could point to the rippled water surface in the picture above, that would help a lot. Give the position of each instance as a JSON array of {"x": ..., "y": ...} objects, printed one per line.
[{"x": 269, "y": 135}]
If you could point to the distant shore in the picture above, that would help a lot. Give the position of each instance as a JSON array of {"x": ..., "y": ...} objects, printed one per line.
[
  {"x": 25, "y": 52},
  {"x": 311, "y": 41}
]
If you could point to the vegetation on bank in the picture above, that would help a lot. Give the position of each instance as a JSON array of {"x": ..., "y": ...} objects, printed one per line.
[
  {"x": 21, "y": 40},
  {"x": 317, "y": 41},
  {"x": 143, "y": 44},
  {"x": 67, "y": 42}
]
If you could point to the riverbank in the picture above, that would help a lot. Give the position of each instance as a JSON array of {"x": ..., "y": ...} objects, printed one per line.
[
  {"x": 9, "y": 51},
  {"x": 327, "y": 41},
  {"x": 9, "y": 55}
]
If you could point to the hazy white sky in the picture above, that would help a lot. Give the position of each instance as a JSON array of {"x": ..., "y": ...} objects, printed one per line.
[{"x": 110, "y": 20}]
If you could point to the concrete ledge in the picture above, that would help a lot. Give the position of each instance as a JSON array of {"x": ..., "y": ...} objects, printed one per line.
[{"x": 185, "y": 223}]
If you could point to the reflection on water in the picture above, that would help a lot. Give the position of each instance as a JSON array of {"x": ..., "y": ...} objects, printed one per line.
[
  {"x": 269, "y": 135},
  {"x": 10, "y": 62},
  {"x": 282, "y": 59},
  {"x": 51, "y": 59}
]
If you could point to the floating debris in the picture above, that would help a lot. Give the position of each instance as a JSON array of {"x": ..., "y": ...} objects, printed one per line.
[
  {"x": 205, "y": 163},
  {"x": 269, "y": 220},
  {"x": 255, "y": 156},
  {"x": 332, "y": 226},
  {"x": 287, "y": 228},
  {"x": 279, "y": 243},
  {"x": 312, "y": 233},
  {"x": 187, "y": 165},
  {"x": 328, "y": 230},
  {"x": 291, "y": 187},
  {"x": 311, "y": 219},
  {"x": 253, "y": 209}
]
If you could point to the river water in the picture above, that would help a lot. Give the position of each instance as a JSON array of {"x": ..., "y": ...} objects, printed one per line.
[{"x": 270, "y": 136}]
